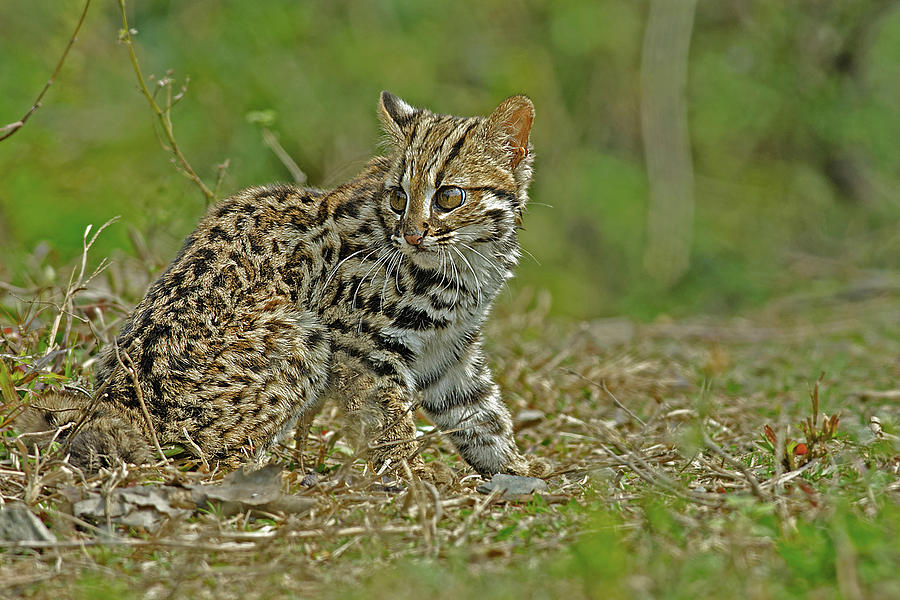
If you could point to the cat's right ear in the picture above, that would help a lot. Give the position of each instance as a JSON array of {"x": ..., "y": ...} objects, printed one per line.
[{"x": 396, "y": 115}]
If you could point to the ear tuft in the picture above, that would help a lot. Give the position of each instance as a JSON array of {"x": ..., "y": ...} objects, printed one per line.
[
  {"x": 510, "y": 123},
  {"x": 396, "y": 115}
]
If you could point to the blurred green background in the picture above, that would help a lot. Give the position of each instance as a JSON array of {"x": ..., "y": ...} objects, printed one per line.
[{"x": 792, "y": 112}]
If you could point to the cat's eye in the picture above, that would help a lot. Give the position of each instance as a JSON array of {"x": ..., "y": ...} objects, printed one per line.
[
  {"x": 449, "y": 198},
  {"x": 398, "y": 200}
]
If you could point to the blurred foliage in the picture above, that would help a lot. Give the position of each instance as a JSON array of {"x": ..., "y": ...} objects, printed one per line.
[{"x": 792, "y": 112}]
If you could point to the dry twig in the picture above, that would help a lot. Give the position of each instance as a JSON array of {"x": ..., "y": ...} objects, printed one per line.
[
  {"x": 165, "y": 115},
  {"x": 130, "y": 369},
  {"x": 8, "y": 130}
]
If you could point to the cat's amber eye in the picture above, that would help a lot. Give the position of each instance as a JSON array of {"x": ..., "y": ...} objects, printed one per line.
[
  {"x": 449, "y": 198},
  {"x": 398, "y": 200}
]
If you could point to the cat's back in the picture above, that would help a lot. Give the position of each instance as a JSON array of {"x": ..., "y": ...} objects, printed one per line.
[{"x": 237, "y": 255}]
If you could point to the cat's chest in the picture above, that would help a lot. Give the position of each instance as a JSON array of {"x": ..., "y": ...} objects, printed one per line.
[{"x": 436, "y": 350}]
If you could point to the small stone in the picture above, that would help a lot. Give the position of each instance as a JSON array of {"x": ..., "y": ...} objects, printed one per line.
[
  {"x": 18, "y": 524},
  {"x": 513, "y": 486},
  {"x": 310, "y": 479}
]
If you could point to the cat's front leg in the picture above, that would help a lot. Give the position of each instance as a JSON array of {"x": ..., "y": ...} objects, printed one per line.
[
  {"x": 379, "y": 414},
  {"x": 465, "y": 402}
]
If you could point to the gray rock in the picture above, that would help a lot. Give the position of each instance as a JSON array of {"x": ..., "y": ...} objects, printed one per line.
[
  {"x": 260, "y": 489},
  {"x": 513, "y": 486},
  {"x": 18, "y": 524}
]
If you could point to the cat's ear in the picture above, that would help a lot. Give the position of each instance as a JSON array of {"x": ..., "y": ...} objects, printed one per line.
[
  {"x": 396, "y": 115},
  {"x": 510, "y": 126}
]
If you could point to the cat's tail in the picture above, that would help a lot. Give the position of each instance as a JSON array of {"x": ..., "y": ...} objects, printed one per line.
[{"x": 91, "y": 439}]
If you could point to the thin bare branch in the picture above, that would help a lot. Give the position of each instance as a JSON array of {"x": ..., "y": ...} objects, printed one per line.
[
  {"x": 163, "y": 115},
  {"x": 130, "y": 369},
  {"x": 754, "y": 483},
  {"x": 8, "y": 130},
  {"x": 272, "y": 142}
]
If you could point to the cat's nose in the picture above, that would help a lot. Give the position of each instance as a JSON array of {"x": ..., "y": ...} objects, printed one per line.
[{"x": 414, "y": 237}]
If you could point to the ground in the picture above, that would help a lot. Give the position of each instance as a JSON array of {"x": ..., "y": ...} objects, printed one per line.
[{"x": 688, "y": 460}]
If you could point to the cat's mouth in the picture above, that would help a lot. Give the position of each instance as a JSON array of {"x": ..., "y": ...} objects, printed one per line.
[{"x": 425, "y": 253}]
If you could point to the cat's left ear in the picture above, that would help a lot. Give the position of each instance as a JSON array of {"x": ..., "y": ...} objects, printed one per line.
[
  {"x": 510, "y": 125},
  {"x": 396, "y": 115}
]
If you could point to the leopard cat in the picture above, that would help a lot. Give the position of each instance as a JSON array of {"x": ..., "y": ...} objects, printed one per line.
[{"x": 372, "y": 294}]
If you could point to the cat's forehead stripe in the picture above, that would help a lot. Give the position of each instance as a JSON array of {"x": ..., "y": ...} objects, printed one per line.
[
  {"x": 438, "y": 143},
  {"x": 442, "y": 139},
  {"x": 454, "y": 150}
]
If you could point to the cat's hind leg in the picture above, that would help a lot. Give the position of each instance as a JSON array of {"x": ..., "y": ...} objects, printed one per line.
[{"x": 266, "y": 375}]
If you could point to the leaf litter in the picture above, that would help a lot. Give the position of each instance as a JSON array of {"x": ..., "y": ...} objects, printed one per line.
[{"x": 704, "y": 417}]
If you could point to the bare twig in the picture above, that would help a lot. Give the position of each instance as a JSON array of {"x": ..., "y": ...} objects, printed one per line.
[
  {"x": 163, "y": 115},
  {"x": 602, "y": 386},
  {"x": 754, "y": 483},
  {"x": 76, "y": 285},
  {"x": 415, "y": 490},
  {"x": 8, "y": 130},
  {"x": 272, "y": 142},
  {"x": 220, "y": 175},
  {"x": 196, "y": 449},
  {"x": 462, "y": 532},
  {"x": 130, "y": 369},
  {"x": 106, "y": 541}
]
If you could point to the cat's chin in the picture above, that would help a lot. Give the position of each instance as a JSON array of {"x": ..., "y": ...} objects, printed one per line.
[{"x": 424, "y": 257}]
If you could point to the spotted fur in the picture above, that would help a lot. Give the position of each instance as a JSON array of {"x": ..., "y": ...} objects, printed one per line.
[{"x": 283, "y": 297}]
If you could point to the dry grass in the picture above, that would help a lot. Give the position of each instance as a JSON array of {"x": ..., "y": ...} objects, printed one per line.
[{"x": 657, "y": 433}]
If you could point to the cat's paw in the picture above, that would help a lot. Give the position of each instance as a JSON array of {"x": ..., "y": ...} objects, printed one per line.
[
  {"x": 436, "y": 472},
  {"x": 390, "y": 458},
  {"x": 530, "y": 466}
]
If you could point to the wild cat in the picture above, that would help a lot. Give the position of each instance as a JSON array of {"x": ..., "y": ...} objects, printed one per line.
[{"x": 373, "y": 294}]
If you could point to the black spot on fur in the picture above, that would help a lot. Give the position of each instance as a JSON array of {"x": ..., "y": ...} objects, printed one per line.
[
  {"x": 349, "y": 209},
  {"x": 413, "y": 318},
  {"x": 394, "y": 346}
]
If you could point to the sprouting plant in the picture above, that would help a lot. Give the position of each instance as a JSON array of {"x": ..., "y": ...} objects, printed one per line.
[
  {"x": 795, "y": 453},
  {"x": 810, "y": 425}
]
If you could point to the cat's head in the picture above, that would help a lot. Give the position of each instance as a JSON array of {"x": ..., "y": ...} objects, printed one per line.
[{"x": 455, "y": 181}]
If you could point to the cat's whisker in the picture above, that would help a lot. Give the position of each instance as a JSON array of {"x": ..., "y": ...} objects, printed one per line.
[
  {"x": 449, "y": 283},
  {"x": 397, "y": 274},
  {"x": 532, "y": 256},
  {"x": 395, "y": 258},
  {"x": 383, "y": 260},
  {"x": 443, "y": 267},
  {"x": 334, "y": 271},
  {"x": 387, "y": 275},
  {"x": 492, "y": 263},
  {"x": 455, "y": 276},
  {"x": 371, "y": 269},
  {"x": 474, "y": 274}
]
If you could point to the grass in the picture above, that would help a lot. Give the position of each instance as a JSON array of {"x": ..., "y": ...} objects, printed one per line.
[{"x": 675, "y": 445}]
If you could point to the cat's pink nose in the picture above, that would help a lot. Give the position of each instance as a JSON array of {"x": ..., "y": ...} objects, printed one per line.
[{"x": 414, "y": 238}]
